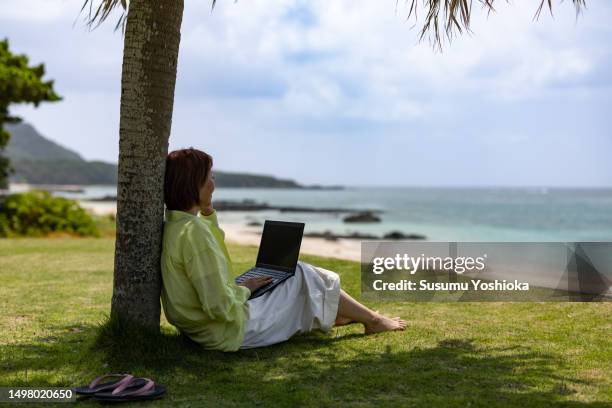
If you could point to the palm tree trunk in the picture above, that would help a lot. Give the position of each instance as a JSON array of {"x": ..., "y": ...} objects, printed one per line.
[{"x": 150, "y": 56}]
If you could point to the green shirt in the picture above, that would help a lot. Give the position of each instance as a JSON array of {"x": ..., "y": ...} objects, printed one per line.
[{"x": 199, "y": 294}]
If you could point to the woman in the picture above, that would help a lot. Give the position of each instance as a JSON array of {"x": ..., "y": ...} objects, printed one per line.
[{"x": 200, "y": 296}]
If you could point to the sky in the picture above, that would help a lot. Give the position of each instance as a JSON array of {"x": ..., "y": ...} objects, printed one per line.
[{"x": 343, "y": 92}]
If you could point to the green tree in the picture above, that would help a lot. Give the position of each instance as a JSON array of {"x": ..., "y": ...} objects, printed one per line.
[
  {"x": 19, "y": 83},
  {"x": 150, "y": 53}
]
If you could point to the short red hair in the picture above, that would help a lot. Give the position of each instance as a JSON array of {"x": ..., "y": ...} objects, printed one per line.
[{"x": 186, "y": 172}]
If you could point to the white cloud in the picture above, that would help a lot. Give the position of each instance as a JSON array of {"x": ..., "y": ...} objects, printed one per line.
[
  {"x": 313, "y": 74},
  {"x": 36, "y": 11},
  {"x": 371, "y": 44},
  {"x": 46, "y": 11}
]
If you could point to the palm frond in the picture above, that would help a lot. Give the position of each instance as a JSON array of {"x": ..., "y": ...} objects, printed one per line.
[
  {"x": 444, "y": 19},
  {"x": 96, "y": 15}
]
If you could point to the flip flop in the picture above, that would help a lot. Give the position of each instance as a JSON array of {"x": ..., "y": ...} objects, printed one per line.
[
  {"x": 97, "y": 385},
  {"x": 127, "y": 392}
]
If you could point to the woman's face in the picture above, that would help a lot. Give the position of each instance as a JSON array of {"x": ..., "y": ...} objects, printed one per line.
[{"x": 207, "y": 190}]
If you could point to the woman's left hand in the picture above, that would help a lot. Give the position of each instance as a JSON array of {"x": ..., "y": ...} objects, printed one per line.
[{"x": 207, "y": 210}]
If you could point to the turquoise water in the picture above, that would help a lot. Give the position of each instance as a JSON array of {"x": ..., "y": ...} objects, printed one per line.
[{"x": 441, "y": 214}]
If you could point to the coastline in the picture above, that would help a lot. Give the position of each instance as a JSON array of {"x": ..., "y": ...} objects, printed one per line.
[
  {"x": 341, "y": 248},
  {"x": 238, "y": 233},
  {"x": 99, "y": 207}
]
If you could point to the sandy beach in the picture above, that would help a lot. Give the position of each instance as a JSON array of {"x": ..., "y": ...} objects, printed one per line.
[
  {"x": 250, "y": 235},
  {"x": 341, "y": 248}
]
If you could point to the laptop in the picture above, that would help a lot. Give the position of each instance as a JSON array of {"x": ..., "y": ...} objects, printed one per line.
[{"x": 278, "y": 254}]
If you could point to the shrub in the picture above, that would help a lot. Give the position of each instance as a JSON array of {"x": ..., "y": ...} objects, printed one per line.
[
  {"x": 38, "y": 213},
  {"x": 4, "y": 225}
]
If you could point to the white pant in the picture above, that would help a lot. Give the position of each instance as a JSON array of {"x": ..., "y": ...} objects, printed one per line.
[{"x": 302, "y": 303}]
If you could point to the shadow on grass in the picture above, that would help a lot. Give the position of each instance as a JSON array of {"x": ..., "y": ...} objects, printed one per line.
[{"x": 310, "y": 369}]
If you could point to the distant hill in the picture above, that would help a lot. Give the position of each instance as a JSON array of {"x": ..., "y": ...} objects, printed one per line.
[
  {"x": 38, "y": 160},
  {"x": 27, "y": 143},
  {"x": 59, "y": 171}
]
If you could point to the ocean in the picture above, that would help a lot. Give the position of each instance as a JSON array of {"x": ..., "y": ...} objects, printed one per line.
[{"x": 441, "y": 214}]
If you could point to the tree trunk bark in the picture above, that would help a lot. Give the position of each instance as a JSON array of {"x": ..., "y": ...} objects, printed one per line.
[{"x": 150, "y": 56}]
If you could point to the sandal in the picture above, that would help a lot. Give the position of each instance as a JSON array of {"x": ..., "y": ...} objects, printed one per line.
[
  {"x": 97, "y": 385},
  {"x": 129, "y": 392}
]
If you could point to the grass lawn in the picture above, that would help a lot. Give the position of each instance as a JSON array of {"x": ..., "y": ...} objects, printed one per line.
[{"x": 54, "y": 293}]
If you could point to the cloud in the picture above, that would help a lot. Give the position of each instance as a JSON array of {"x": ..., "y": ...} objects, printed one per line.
[
  {"x": 347, "y": 80},
  {"x": 35, "y": 11}
]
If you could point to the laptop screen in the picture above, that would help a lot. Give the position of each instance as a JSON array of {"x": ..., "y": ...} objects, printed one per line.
[{"x": 280, "y": 245}]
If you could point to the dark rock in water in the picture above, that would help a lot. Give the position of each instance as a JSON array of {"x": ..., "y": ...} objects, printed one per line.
[
  {"x": 334, "y": 237},
  {"x": 365, "y": 216},
  {"x": 105, "y": 198},
  {"x": 333, "y": 210},
  {"x": 254, "y": 224},
  {"x": 320, "y": 187},
  {"x": 358, "y": 235},
  {"x": 244, "y": 205},
  {"x": 401, "y": 235},
  {"x": 331, "y": 236},
  {"x": 248, "y": 204},
  {"x": 328, "y": 235}
]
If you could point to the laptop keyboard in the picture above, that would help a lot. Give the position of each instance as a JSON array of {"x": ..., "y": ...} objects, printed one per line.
[{"x": 260, "y": 273}]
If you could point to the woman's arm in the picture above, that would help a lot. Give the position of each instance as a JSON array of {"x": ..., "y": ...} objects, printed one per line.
[
  {"x": 220, "y": 297},
  {"x": 210, "y": 216}
]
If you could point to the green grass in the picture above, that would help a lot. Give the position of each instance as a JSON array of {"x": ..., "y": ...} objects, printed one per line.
[{"x": 54, "y": 294}]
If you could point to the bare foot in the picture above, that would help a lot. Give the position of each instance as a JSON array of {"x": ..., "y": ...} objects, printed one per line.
[
  {"x": 343, "y": 321},
  {"x": 383, "y": 323}
]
